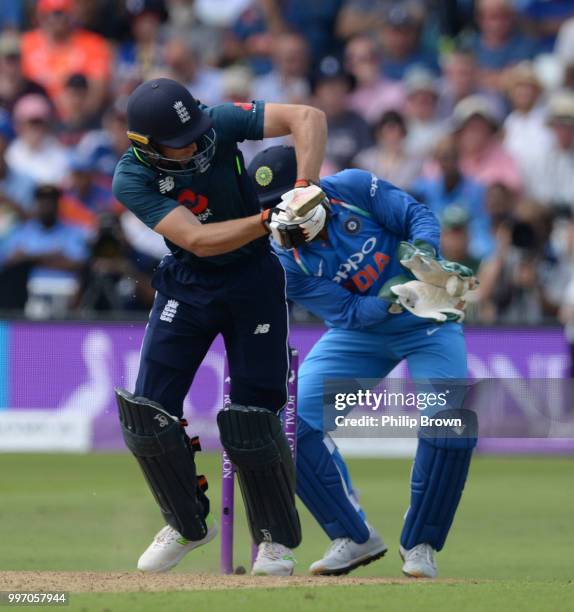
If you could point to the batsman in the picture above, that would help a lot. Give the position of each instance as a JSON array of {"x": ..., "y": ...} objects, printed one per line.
[
  {"x": 374, "y": 275},
  {"x": 185, "y": 177}
]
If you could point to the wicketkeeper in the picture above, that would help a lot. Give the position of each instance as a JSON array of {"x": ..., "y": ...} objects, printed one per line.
[
  {"x": 374, "y": 275},
  {"x": 184, "y": 176}
]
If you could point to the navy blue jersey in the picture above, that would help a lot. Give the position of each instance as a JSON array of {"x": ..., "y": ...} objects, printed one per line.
[{"x": 221, "y": 193}]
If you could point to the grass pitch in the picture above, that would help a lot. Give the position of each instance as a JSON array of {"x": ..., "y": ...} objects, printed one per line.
[{"x": 510, "y": 547}]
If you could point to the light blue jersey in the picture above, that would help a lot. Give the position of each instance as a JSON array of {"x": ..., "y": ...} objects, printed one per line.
[{"x": 338, "y": 280}]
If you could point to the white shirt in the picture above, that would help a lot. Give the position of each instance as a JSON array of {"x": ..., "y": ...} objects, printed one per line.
[
  {"x": 48, "y": 164},
  {"x": 525, "y": 134},
  {"x": 549, "y": 176}
]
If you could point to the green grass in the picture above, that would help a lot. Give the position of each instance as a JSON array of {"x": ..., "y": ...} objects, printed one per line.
[{"x": 514, "y": 534}]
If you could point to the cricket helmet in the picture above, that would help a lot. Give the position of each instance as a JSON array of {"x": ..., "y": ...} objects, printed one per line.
[
  {"x": 273, "y": 172},
  {"x": 163, "y": 112}
]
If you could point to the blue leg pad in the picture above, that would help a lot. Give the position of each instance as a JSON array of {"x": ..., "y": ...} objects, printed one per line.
[
  {"x": 438, "y": 477},
  {"x": 325, "y": 489}
]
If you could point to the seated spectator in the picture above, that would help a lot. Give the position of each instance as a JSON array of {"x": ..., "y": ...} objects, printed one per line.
[
  {"x": 460, "y": 79},
  {"x": 76, "y": 116},
  {"x": 454, "y": 237},
  {"x": 549, "y": 175},
  {"x": 139, "y": 58},
  {"x": 451, "y": 187},
  {"x": 16, "y": 190},
  {"x": 425, "y": 128},
  {"x": 117, "y": 277},
  {"x": 516, "y": 282},
  {"x": 107, "y": 145},
  {"x": 11, "y": 15},
  {"x": 565, "y": 51},
  {"x": 13, "y": 84},
  {"x": 288, "y": 80},
  {"x": 360, "y": 16},
  {"x": 374, "y": 94},
  {"x": 348, "y": 132},
  {"x": 400, "y": 39},
  {"x": 543, "y": 19},
  {"x": 482, "y": 157},
  {"x": 35, "y": 152},
  {"x": 51, "y": 252},
  {"x": 87, "y": 197},
  {"x": 389, "y": 158},
  {"x": 57, "y": 49},
  {"x": 499, "y": 44},
  {"x": 526, "y": 125},
  {"x": 184, "y": 65}
]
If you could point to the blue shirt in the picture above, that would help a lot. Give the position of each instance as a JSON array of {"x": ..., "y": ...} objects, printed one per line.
[
  {"x": 467, "y": 194},
  {"x": 516, "y": 49},
  {"x": 339, "y": 279},
  {"x": 18, "y": 187},
  {"x": 33, "y": 238}
]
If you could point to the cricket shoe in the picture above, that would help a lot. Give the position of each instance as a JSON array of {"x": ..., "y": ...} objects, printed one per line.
[
  {"x": 344, "y": 555},
  {"x": 273, "y": 560},
  {"x": 169, "y": 547},
  {"x": 419, "y": 561}
]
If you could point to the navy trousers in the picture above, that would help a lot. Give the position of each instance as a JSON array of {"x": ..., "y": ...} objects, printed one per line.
[{"x": 246, "y": 303}]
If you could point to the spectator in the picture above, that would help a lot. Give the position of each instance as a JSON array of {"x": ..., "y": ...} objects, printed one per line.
[
  {"x": 565, "y": 51},
  {"x": 349, "y": 133},
  {"x": 185, "y": 66},
  {"x": 461, "y": 79},
  {"x": 11, "y": 15},
  {"x": 566, "y": 312},
  {"x": 57, "y": 49},
  {"x": 543, "y": 19},
  {"x": 452, "y": 188},
  {"x": 139, "y": 58},
  {"x": 86, "y": 197},
  {"x": 516, "y": 283},
  {"x": 16, "y": 190},
  {"x": 499, "y": 44},
  {"x": 360, "y": 16},
  {"x": 526, "y": 124},
  {"x": 482, "y": 157},
  {"x": 424, "y": 125},
  {"x": 76, "y": 116},
  {"x": 374, "y": 94},
  {"x": 287, "y": 82},
  {"x": 116, "y": 277},
  {"x": 35, "y": 152},
  {"x": 13, "y": 84},
  {"x": 400, "y": 39},
  {"x": 107, "y": 145},
  {"x": 389, "y": 158},
  {"x": 51, "y": 252},
  {"x": 550, "y": 174},
  {"x": 454, "y": 237}
]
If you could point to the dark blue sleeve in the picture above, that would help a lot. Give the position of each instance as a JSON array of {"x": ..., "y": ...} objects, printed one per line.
[
  {"x": 329, "y": 301},
  {"x": 131, "y": 188},
  {"x": 239, "y": 121},
  {"x": 393, "y": 208}
]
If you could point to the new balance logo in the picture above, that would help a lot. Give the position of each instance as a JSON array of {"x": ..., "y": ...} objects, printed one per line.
[
  {"x": 162, "y": 420},
  {"x": 262, "y": 328},
  {"x": 166, "y": 184},
  {"x": 182, "y": 111},
  {"x": 169, "y": 311}
]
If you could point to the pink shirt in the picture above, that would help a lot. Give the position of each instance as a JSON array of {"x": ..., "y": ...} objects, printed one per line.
[
  {"x": 495, "y": 166},
  {"x": 371, "y": 101}
]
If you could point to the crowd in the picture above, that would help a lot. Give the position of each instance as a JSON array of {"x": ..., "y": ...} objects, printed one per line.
[{"x": 467, "y": 105}]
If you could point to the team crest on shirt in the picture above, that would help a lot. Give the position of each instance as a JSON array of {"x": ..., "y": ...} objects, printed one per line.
[
  {"x": 352, "y": 225},
  {"x": 165, "y": 184}
]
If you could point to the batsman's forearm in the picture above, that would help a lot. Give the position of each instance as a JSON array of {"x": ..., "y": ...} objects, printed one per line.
[
  {"x": 309, "y": 137},
  {"x": 224, "y": 237}
]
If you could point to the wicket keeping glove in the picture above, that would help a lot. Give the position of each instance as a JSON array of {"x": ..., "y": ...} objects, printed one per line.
[
  {"x": 420, "y": 259},
  {"x": 423, "y": 299}
]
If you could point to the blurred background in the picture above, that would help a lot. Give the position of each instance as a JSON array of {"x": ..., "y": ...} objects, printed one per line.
[{"x": 467, "y": 105}]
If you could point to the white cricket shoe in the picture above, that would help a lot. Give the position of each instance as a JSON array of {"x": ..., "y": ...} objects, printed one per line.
[
  {"x": 169, "y": 547},
  {"x": 344, "y": 555},
  {"x": 419, "y": 561},
  {"x": 273, "y": 560}
]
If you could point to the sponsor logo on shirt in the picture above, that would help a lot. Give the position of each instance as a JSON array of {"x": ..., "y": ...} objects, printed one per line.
[
  {"x": 196, "y": 202},
  {"x": 363, "y": 268},
  {"x": 246, "y": 106},
  {"x": 166, "y": 184}
]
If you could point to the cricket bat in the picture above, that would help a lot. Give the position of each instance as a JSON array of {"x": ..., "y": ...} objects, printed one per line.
[{"x": 304, "y": 200}]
